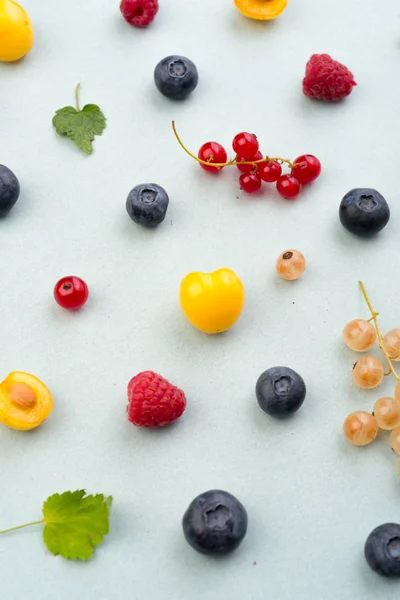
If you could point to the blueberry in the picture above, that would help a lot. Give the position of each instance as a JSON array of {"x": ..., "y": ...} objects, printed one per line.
[
  {"x": 280, "y": 391},
  {"x": 215, "y": 523},
  {"x": 147, "y": 204},
  {"x": 9, "y": 190},
  {"x": 176, "y": 77},
  {"x": 364, "y": 211},
  {"x": 382, "y": 550}
]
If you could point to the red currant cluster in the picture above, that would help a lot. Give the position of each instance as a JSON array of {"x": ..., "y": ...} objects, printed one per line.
[{"x": 256, "y": 168}]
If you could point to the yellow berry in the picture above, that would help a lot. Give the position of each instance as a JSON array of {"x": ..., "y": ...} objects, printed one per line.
[
  {"x": 16, "y": 31},
  {"x": 212, "y": 302},
  {"x": 360, "y": 428},
  {"x": 391, "y": 342},
  {"x": 359, "y": 335},
  {"x": 290, "y": 265},
  {"x": 368, "y": 372}
]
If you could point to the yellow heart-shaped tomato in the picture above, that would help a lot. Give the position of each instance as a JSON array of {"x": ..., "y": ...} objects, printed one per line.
[
  {"x": 212, "y": 302},
  {"x": 16, "y": 31},
  {"x": 262, "y": 10}
]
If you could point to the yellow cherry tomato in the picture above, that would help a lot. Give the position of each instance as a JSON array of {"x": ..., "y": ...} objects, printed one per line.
[
  {"x": 262, "y": 10},
  {"x": 25, "y": 402},
  {"x": 16, "y": 31},
  {"x": 212, "y": 302}
]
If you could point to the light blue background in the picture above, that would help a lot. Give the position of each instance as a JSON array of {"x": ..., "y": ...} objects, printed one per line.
[{"x": 312, "y": 499}]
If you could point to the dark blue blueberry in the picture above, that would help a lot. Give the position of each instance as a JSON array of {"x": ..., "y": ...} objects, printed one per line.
[
  {"x": 280, "y": 391},
  {"x": 364, "y": 211},
  {"x": 147, "y": 204},
  {"x": 215, "y": 523},
  {"x": 9, "y": 190},
  {"x": 176, "y": 77},
  {"x": 382, "y": 550}
]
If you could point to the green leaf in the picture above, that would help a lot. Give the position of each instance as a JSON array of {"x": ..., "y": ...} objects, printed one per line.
[
  {"x": 80, "y": 126},
  {"x": 75, "y": 523}
]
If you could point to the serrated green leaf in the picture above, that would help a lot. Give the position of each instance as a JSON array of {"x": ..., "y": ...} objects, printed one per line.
[
  {"x": 75, "y": 523},
  {"x": 80, "y": 126},
  {"x": 108, "y": 501}
]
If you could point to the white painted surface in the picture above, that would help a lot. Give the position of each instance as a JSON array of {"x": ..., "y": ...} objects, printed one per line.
[{"x": 311, "y": 498}]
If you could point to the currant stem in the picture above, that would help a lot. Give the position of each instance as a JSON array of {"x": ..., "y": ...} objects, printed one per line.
[
  {"x": 21, "y": 526},
  {"x": 378, "y": 331},
  {"x": 77, "y": 97},
  {"x": 231, "y": 162}
]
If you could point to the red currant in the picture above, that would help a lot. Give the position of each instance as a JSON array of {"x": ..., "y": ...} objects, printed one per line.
[
  {"x": 245, "y": 145},
  {"x": 307, "y": 168},
  {"x": 270, "y": 171},
  {"x": 212, "y": 152},
  {"x": 71, "y": 292},
  {"x": 288, "y": 186},
  {"x": 248, "y": 168},
  {"x": 250, "y": 182}
]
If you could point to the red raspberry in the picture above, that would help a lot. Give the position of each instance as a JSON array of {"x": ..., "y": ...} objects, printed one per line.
[
  {"x": 326, "y": 79},
  {"x": 153, "y": 401},
  {"x": 139, "y": 13}
]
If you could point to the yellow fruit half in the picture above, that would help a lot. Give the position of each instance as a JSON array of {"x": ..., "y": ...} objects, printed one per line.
[
  {"x": 25, "y": 402},
  {"x": 262, "y": 10}
]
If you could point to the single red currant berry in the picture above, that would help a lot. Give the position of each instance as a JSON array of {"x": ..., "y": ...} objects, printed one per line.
[
  {"x": 288, "y": 187},
  {"x": 71, "y": 292},
  {"x": 245, "y": 145},
  {"x": 250, "y": 182},
  {"x": 248, "y": 168},
  {"x": 270, "y": 171},
  {"x": 212, "y": 152},
  {"x": 307, "y": 168}
]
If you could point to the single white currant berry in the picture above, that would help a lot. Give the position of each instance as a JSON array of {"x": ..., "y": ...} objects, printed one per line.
[
  {"x": 387, "y": 413},
  {"x": 391, "y": 342},
  {"x": 368, "y": 372},
  {"x": 290, "y": 265},
  {"x": 394, "y": 440},
  {"x": 360, "y": 428},
  {"x": 359, "y": 335}
]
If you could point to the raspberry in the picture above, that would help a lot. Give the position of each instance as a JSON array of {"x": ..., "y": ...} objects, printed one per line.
[
  {"x": 153, "y": 401},
  {"x": 326, "y": 79},
  {"x": 139, "y": 13}
]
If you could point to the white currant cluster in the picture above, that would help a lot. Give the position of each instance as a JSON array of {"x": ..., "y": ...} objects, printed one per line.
[{"x": 360, "y": 335}]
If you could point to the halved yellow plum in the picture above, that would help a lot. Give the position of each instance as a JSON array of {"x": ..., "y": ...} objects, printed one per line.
[
  {"x": 25, "y": 402},
  {"x": 262, "y": 10}
]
